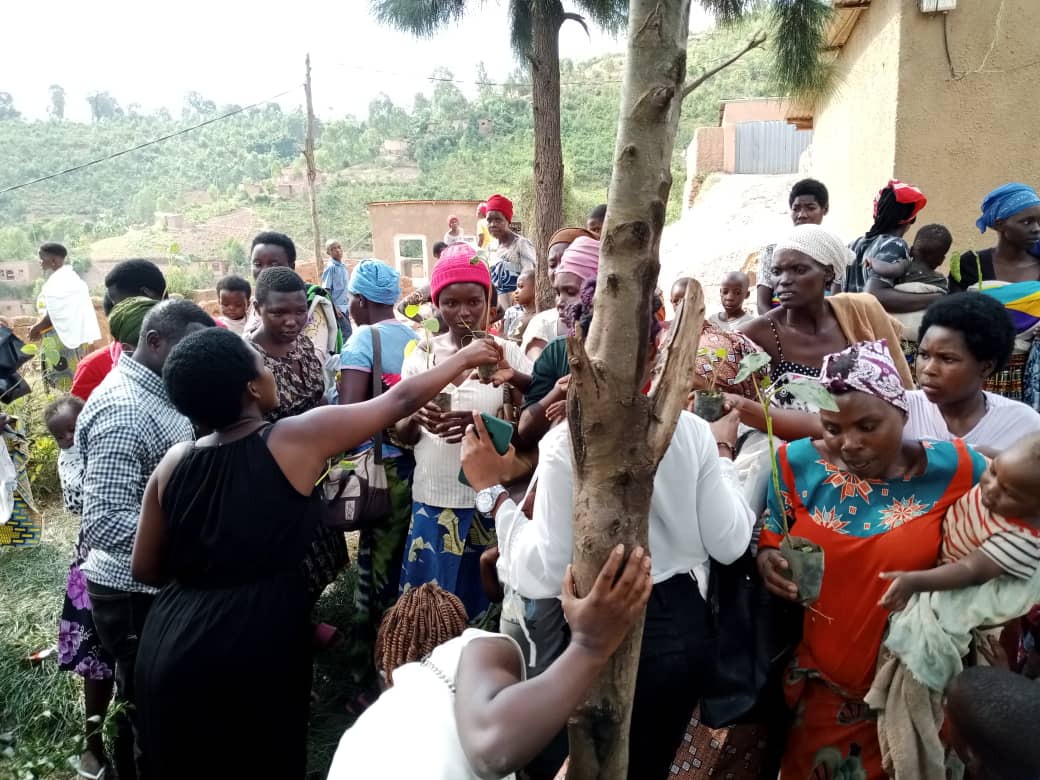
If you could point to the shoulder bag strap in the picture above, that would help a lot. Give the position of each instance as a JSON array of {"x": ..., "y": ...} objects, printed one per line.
[{"x": 377, "y": 386}]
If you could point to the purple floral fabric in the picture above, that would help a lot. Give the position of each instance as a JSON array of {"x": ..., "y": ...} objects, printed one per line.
[{"x": 79, "y": 648}]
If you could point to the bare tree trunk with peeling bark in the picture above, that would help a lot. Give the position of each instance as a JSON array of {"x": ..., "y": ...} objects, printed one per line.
[
  {"x": 619, "y": 435},
  {"x": 546, "y": 20}
]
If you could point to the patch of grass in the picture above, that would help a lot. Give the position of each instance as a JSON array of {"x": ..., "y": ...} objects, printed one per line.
[{"x": 41, "y": 708}]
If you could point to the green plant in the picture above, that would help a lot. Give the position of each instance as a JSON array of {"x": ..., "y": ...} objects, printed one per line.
[
  {"x": 806, "y": 390},
  {"x": 430, "y": 325}
]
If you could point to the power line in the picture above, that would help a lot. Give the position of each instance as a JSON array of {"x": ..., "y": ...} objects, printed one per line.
[{"x": 154, "y": 141}]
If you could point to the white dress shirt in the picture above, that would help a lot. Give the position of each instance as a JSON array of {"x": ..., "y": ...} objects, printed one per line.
[{"x": 697, "y": 510}]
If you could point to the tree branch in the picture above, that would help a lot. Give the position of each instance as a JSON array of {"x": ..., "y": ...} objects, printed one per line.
[
  {"x": 756, "y": 41},
  {"x": 673, "y": 375},
  {"x": 576, "y": 18}
]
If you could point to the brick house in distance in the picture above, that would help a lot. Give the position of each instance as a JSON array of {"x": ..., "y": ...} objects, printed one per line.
[{"x": 404, "y": 231}]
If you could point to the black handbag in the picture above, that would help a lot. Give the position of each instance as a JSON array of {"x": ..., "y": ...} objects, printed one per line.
[
  {"x": 357, "y": 496},
  {"x": 756, "y": 637}
]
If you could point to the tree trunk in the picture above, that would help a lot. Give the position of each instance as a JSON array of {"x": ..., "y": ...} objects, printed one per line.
[
  {"x": 614, "y": 462},
  {"x": 548, "y": 149}
]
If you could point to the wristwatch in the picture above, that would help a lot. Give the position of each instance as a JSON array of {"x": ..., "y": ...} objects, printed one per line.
[{"x": 487, "y": 497}]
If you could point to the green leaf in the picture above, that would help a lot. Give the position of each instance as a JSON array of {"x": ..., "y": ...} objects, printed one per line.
[
  {"x": 411, "y": 310},
  {"x": 431, "y": 325},
  {"x": 751, "y": 364},
  {"x": 175, "y": 248},
  {"x": 811, "y": 392},
  {"x": 955, "y": 266},
  {"x": 30, "y": 349}
]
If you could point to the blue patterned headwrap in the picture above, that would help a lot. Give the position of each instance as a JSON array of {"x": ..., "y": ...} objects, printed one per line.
[
  {"x": 1005, "y": 202},
  {"x": 376, "y": 281}
]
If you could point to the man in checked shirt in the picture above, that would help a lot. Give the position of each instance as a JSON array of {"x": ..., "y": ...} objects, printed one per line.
[{"x": 123, "y": 432}]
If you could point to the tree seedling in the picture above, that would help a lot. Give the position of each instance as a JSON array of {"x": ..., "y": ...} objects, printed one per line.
[
  {"x": 804, "y": 558},
  {"x": 708, "y": 403}
]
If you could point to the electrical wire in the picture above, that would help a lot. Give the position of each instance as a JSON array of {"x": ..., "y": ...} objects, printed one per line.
[{"x": 154, "y": 141}]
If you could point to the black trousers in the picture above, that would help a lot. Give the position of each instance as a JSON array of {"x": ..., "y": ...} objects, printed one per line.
[
  {"x": 675, "y": 663},
  {"x": 119, "y": 619}
]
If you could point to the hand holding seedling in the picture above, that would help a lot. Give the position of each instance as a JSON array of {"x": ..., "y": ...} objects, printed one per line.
[{"x": 772, "y": 569}]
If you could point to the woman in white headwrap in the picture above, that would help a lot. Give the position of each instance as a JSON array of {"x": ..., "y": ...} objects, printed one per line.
[{"x": 807, "y": 325}]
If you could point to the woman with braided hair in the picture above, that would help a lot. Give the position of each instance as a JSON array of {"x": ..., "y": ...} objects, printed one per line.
[
  {"x": 895, "y": 209},
  {"x": 422, "y": 619},
  {"x": 467, "y": 707}
]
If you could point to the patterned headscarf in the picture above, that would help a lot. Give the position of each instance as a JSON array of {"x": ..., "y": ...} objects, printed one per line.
[
  {"x": 1005, "y": 202},
  {"x": 124, "y": 321},
  {"x": 866, "y": 367}
]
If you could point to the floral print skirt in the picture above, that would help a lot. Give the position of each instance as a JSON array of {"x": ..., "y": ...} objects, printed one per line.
[{"x": 79, "y": 648}]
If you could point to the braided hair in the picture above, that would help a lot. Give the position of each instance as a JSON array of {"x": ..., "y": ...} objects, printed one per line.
[{"x": 422, "y": 619}]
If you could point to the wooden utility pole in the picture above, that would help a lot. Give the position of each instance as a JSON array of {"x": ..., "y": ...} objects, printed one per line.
[{"x": 312, "y": 171}]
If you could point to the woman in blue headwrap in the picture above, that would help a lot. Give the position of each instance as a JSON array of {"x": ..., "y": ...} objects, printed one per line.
[
  {"x": 1009, "y": 273},
  {"x": 373, "y": 290}
]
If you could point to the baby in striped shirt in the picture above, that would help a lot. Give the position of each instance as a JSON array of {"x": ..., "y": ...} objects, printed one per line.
[{"x": 993, "y": 529}]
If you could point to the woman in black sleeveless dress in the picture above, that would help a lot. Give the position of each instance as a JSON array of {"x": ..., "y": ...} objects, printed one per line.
[{"x": 224, "y": 664}]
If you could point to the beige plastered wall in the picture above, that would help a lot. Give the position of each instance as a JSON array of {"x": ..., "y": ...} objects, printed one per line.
[
  {"x": 854, "y": 130},
  {"x": 960, "y": 135}
]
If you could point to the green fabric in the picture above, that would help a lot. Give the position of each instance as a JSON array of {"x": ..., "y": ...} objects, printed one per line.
[
  {"x": 550, "y": 367},
  {"x": 933, "y": 632},
  {"x": 124, "y": 321}
]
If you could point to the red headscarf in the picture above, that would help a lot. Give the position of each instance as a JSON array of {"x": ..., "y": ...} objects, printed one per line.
[
  {"x": 905, "y": 194},
  {"x": 502, "y": 205}
]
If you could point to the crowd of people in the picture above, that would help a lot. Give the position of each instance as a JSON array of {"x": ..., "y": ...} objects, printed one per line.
[{"x": 198, "y": 450}]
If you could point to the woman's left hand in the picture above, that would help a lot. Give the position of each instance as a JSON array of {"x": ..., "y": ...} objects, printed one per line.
[{"x": 899, "y": 592}]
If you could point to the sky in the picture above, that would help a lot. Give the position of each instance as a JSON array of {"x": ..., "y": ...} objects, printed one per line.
[{"x": 232, "y": 51}]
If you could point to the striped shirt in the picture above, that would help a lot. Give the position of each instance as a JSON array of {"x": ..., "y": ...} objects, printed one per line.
[{"x": 1011, "y": 544}]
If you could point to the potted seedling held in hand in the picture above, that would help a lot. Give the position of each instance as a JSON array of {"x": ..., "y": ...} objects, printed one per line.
[
  {"x": 804, "y": 558},
  {"x": 708, "y": 403}
]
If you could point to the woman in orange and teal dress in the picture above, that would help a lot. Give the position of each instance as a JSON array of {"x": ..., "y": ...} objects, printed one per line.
[{"x": 874, "y": 502}]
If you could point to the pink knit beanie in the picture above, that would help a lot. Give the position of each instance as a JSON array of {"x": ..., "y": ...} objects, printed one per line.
[{"x": 459, "y": 264}]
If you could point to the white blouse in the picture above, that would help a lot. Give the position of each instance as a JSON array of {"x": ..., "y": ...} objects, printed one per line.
[
  {"x": 437, "y": 463},
  {"x": 697, "y": 510}
]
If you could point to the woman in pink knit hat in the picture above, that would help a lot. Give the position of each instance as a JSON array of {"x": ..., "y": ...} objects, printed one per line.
[{"x": 447, "y": 534}]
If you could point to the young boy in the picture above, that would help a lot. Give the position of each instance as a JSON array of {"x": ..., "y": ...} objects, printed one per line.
[
  {"x": 931, "y": 244},
  {"x": 234, "y": 293},
  {"x": 990, "y": 714},
  {"x": 993, "y": 529},
  {"x": 735, "y": 291},
  {"x": 519, "y": 314}
]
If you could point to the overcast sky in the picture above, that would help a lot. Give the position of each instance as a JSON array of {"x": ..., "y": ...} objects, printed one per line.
[{"x": 232, "y": 51}]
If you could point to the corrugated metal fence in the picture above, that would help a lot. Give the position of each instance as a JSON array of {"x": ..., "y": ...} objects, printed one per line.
[{"x": 770, "y": 147}]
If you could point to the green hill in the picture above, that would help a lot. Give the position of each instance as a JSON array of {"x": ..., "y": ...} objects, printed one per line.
[{"x": 457, "y": 148}]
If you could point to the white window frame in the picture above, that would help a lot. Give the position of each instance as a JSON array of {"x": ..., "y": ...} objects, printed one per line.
[{"x": 398, "y": 258}]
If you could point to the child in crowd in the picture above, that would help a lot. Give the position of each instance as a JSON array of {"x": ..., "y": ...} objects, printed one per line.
[
  {"x": 917, "y": 273},
  {"x": 988, "y": 717},
  {"x": 79, "y": 649},
  {"x": 993, "y": 529},
  {"x": 519, "y": 314},
  {"x": 234, "y": 294},
  {"x": 734, "y": 292}
]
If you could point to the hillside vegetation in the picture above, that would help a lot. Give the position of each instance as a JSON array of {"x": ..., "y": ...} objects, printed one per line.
[{"x": 202, "y": 174}]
